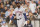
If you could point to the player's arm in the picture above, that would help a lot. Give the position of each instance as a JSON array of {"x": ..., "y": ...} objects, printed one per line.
[{"x": 14, "y": 14}]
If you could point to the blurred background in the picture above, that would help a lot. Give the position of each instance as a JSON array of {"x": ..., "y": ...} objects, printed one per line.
[{"x": 31, "y": 7}]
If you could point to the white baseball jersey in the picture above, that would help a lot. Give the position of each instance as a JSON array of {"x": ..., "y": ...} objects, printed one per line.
[{"x": 19, "y": 12}]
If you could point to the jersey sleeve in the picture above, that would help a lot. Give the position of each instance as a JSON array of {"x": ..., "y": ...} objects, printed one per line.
[{"x": 23, "y": 10}]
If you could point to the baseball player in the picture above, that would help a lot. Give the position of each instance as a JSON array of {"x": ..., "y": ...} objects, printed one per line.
[{"x": 19, "y": 15}]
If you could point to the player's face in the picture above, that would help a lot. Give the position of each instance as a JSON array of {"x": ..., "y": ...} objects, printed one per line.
[{"x": 18, "y": 5}]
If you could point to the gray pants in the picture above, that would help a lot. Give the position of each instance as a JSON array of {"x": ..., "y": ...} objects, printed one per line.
[{"x": 35, "y": 23}]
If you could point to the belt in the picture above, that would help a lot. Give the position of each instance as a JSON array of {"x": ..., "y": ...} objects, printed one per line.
[{"x": 18, "y": 19}]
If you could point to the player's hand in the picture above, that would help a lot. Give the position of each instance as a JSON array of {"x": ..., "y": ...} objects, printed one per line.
[{"x": 14, "y": 17}]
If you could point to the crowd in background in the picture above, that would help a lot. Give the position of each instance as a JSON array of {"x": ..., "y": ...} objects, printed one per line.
[{"x": 31, "y": 10}]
